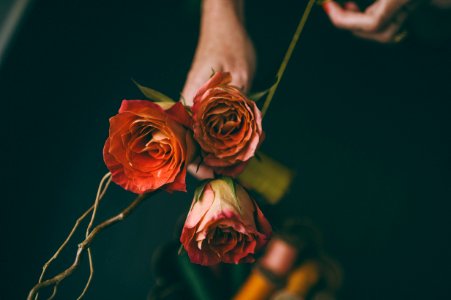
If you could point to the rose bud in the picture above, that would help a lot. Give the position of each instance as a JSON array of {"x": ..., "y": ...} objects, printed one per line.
[
  {"x": 227, "y": 125},
  {"x": 223, "y": 225},
  {"x": 148, "y": 147}
]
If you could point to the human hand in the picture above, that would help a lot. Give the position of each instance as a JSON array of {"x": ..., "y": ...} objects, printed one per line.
[
  {"x": 382, "y": 21},
  {"x": 232, "y": 52},
  {"x": 224, "y": 45},
  {"x": 219, "y": 51}
]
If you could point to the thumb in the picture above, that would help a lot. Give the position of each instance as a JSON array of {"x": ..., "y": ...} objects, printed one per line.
[
  {"x": 241, "y": 80},
  {"x": 196, "y": 78}
]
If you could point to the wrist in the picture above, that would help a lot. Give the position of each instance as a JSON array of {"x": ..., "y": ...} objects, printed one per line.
[
  {"x": 221, "y": 14},
  {"x": 219, "y": 7}
]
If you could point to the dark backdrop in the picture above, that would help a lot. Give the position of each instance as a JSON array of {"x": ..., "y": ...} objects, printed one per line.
[{"x": 365, "y": 126}]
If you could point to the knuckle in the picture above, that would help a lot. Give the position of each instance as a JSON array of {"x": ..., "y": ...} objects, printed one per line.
[
  {"x": 375, "y": 24},
  {"x": 386, "y": 38},
  {"x": 336, "y": 22},
  {"x": 372, "y": 27},
  {"x": 243, "y": 76},
  {"x": 242, "y": 79}
]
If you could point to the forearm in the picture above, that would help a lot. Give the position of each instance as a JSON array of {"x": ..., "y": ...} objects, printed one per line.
[
  {"x": 223, "y": 45},
  {"x": 212, "y": 9},
  {"x": 221, "y": 14}
]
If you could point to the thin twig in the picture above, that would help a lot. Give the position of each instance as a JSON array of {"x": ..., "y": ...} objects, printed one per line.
[
  {"x": 91, "y": 222},
  {"x": 91, "y": 274},
  {"x": 63, "y": 245},
  {"x": 100, "y": 193},
  {"x": 55, "y": 290},
  {"x": 84, "y": 245},
  {"x": 287, "y": 56},
  {"x": 77, "y": 223},
  {"x": 99, "y": 196},
  {"x": 115, "y": 219}
]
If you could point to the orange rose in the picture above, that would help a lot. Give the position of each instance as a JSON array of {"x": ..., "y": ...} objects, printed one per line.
[
  {"x": 148, "y": 147},
  {"x": 227, "y": 125},
  {"x": 224, "y": 225}
]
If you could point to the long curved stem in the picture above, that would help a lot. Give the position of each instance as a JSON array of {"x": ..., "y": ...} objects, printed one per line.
[{"x": 287, "y": 56}]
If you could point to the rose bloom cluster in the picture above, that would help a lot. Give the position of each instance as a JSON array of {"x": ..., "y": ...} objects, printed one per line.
[{"x": 150, "y": 146}]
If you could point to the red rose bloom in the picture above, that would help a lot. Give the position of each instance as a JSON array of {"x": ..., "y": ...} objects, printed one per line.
[
  {"x": 227, "y": 125},
  {"x": 148, "y": 147}
]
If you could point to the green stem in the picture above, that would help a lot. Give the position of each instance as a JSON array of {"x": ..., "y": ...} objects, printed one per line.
[{"x": 288, "y": 54}]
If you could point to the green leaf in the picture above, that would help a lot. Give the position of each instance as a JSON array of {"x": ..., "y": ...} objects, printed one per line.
[
  {"x": 152, "y": 94},
  {"x": 259, "y": 95},
  {"x": 257, "y": 156},
  {"x": 199, "y": 281},
  {"x": 268, "y": 177}
]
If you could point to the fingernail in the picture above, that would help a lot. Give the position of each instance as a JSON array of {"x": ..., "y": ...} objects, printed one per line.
[
  {"x": 326, "y": 7},
  {"x": 348, "y": 5},
  {"x": 351, "y": 6}
]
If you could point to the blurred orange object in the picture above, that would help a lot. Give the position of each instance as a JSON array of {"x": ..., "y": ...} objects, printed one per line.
[
  {"x": 257, "y": 287},
  {"x": 303, "y": 278},
  {"x": 300, "y": 282}
]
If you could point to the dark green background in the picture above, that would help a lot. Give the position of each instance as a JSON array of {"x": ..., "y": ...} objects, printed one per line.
[{"x": 367, "y": 128}]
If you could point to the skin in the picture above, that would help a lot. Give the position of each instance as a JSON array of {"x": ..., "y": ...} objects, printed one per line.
[
  {"x": 224, "y": 44},
  {"x": 381, "y": 22}
]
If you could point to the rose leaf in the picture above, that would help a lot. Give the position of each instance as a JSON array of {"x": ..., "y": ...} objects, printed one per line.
[{"x": 152, "y": 94}]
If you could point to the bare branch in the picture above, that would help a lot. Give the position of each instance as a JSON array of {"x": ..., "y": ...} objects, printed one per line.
[
  {"x": 100, "y": 193},
  {"x": 77, "y": 223},
  {"x": 91, "y": 274},
  {"x": 91, "y": 222},
  {"x": 84, "y": 245},
  {"x": 119, "y": 217},
  {"x": 55, "y": 290}
]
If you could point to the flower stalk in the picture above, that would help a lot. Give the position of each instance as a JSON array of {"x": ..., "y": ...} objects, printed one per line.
[{"x": 287, "y": 56}]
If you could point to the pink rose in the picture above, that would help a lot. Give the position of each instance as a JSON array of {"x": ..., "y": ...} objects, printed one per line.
[
  {"x": 227, "y": 125},
  {"x": 224, "y": 225}
]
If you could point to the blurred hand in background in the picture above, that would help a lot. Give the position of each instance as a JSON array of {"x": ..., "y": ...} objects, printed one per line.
[{"x": 383, "y": 21}]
